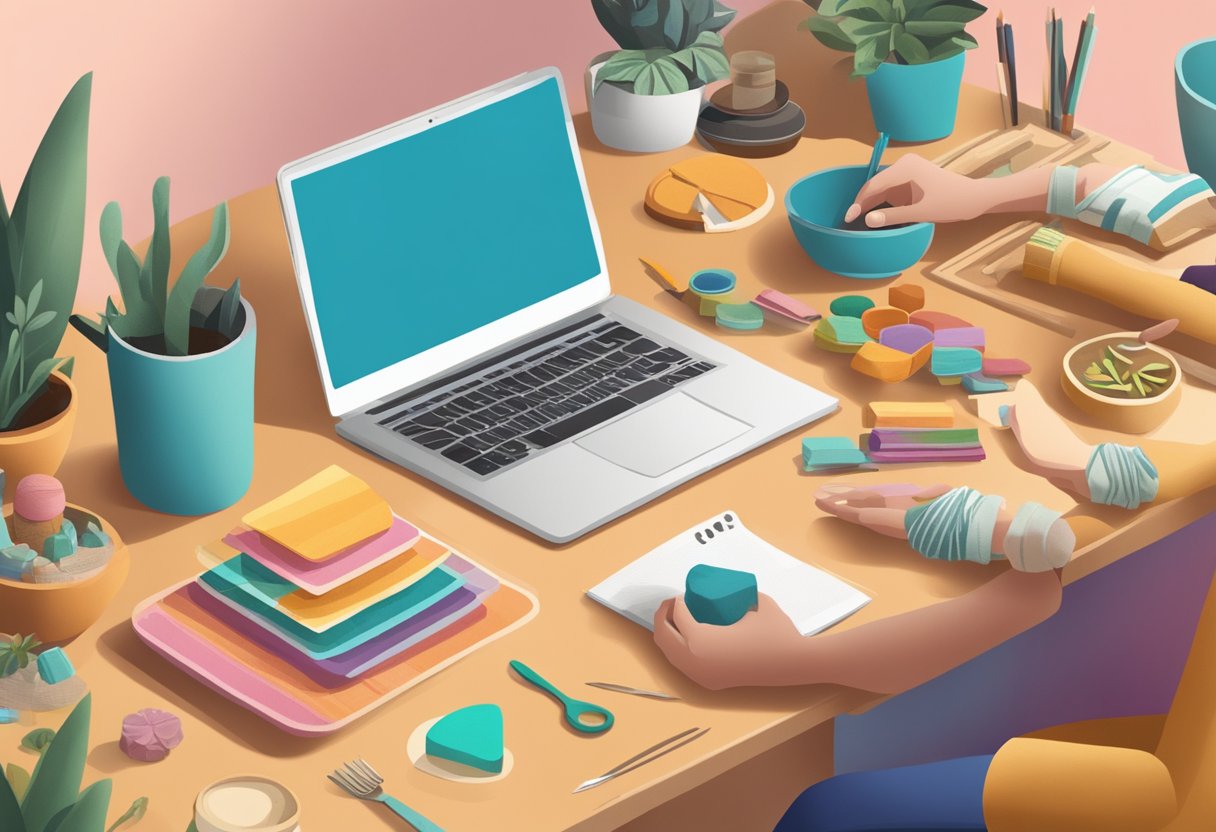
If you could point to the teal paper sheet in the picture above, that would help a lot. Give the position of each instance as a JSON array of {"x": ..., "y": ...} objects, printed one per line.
[{"x": 251, "y": 589}]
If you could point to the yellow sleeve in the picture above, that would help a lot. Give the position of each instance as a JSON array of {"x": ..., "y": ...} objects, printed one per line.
[{"x": 1052, "y": 786}]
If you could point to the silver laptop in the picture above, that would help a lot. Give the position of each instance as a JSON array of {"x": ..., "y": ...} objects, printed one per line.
[{"x": 455, "y": 287}]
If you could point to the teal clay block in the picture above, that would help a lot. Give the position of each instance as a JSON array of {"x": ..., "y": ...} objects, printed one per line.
[
  {"x": 830, "y": 452},
  {"x": 955, "y": 361},
  {"x": 94, "y": 537},
  {"x": 739, "y": 316},
  {"x": 54, "y": 666},
  {"x": 8, "y": 716},
  {"x": 69, "y": 528},
  {"x": 15, "y": 561},
  {"x": 850, "y": 306},
  {"x": 980, "y": 383},
  {"x": 471, "y": 736},
  {"x": 845, "y": 330},
  {"x": 59, "y": 546},
  {"x": 719, "y": 596}
]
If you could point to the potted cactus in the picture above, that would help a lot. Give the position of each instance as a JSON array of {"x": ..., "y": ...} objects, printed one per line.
[
  {"x": 911, "y": 53},
  {"x": 181, "y": 364},
  {"x": 41, "y": 239},
  {"x": 646, "y": 97}
]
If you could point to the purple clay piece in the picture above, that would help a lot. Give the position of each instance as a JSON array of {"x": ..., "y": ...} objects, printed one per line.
[
  {"x": 908, "y": 338},
  {"x": 149, "y": 734},
  {"x": 1202, "y": 276},
  {"x": 961, "y": 336}
]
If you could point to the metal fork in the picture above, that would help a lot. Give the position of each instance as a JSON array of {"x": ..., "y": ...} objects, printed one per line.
[{"x": 360, "y": 780}]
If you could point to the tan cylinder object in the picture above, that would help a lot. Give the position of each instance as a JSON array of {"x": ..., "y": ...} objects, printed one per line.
[
  {"x": 34, "y": 533},
  {"x": 1133, "y": 288},
  {"x": 753, "y": 77}
]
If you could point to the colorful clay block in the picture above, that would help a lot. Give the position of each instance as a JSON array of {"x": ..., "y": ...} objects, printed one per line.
[
  {"x": 323, "y": 516},
  {"x": 6, "y": 540},
  {"x": 921, "y": 357},
  {"x": 54, "y": 666},
  {"x": 850, "y": 306},
  {"x": 15, "y": 561},
  {"x": 936, "y": 320},
  {"x": 909, "y": 338},
  {"x": 94, "y": 537},
  {"x": 719, "y": 596},
  {"x": 471, "y": 736},
  {"x": 822, "y": 452},
  {"x": 907, "y": 296},
  {"x": 883, "y": 363},
  {"x": 59, "y": 546},
  {"x": 739, "y": 316},
  {"x": 149, "y": 734},
  {"x": 955, "y": 361},
  {"x": 907, "y": 415},
  {"x": 8, "y": 716},
  {"x": 875, "y": 320},
  {"x": 949, "y": 381},
  {"x": 832, "y": 345},
  {"x": 980, "y": 383},
  {"x": 959, "y": 336},
  {"x": 781, "y": 308},
  {"x": 842, "y": 330},
  {"x": 1005, "y": 367}
]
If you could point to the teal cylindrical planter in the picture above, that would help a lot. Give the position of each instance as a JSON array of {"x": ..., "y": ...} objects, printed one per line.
[
  {"x": 916, "y": 102},
  {"x": 185, "y": 424},
  {"x": 1195, "y": 87}
]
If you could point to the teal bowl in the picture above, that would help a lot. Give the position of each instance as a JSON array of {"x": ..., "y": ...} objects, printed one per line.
[
  {"x": 816, "y": 206},
  {"x": 1195, "y": 87}
]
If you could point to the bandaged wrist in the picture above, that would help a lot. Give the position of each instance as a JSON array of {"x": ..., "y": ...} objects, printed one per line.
[
  {"x": 958, "y": 525},
  {"x": 1119, "y": 475},
  {"x": 1132, "y": 203},
  {"x": 1038, "y": 539}
]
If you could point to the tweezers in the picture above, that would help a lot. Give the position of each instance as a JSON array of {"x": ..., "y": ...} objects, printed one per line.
[
  {"x": 652, "y": 694},
  {"x": 648, "y": 756}
]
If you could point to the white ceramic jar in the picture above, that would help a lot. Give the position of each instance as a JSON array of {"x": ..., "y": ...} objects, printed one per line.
[{"x": 640, "y": 123}]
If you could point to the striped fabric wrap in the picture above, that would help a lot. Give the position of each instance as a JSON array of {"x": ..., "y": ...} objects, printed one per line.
[
  {"x": 1130, "y": 203},
  {"x": 1121, "y": 475},
  {"x": 956, "y": 526}
]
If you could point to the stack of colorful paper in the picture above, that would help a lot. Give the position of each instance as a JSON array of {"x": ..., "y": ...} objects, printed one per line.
[
  {"x": 327, "y": 578},
  {"x": 923, "y": 445}
]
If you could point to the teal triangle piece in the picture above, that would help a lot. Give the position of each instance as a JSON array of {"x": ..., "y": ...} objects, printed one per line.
[{"x": 471, "y": 736}]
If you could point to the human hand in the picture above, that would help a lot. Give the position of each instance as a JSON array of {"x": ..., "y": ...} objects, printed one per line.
[
  {"x": 919, "y": 191},
  {"x": 762, "y": 648}
]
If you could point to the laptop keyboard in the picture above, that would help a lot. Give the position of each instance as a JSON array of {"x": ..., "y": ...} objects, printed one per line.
[{"x": 557, "y": 390}]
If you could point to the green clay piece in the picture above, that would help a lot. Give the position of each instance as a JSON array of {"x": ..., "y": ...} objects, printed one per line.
[
  {"x": 955, "y": 361},
  {"x": 843, "y": 329},
  {"x": 741, "y": 316},
  {"x": 94, "y": 537},
  {"x": 471, "y": 736},
  {"x": 54, "y": 666},
  {"x": 719, "y": 596},
  {"x": 59, "y": 546},
  {"x": 69, "y": 528},
  {"x": 6, "y": 539},
  {"x": 850, "y": 306}
]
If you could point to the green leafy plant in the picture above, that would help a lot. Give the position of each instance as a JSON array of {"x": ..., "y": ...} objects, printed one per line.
[
  {"x": 53, "y": 800},
  {"x": 16, "y": 654},
  {"x": 895, "y": 31},
  {"x": 151, "y": 310},
  {"x": 667, "y": 46},
  {"x": 38, "y": 740},
  {"x": 40, "y": 245}
]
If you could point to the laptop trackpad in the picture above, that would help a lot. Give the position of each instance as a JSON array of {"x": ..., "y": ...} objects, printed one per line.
[{"x": 663, "y": 436}]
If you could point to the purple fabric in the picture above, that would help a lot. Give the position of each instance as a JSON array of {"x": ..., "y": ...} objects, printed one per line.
[
  {"x": 339, "y": 670},
  {"x": 1202, "y": 276}
]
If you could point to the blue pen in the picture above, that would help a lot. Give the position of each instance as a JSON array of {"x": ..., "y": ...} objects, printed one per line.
[{"x": 880, "y": 147}]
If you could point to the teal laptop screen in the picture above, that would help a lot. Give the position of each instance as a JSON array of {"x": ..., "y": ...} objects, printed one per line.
[{"x": 425, "y": 239}]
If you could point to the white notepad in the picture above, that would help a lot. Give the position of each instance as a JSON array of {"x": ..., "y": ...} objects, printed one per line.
[{"x": 813, "y": 599}]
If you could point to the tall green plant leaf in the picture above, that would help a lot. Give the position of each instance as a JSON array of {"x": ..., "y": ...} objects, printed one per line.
[
  {"x": 675, "y": 25},
  {"x": 614, "y": 16},
  {"x": 156, "y": 260},
  {"x": 10, "y": 809},
  {"x": 56, "y": 780},
  {"x": 140, "y": 317},
  {"x": 37, "y": 377},
  {"x": 911, "y": 49},
  {"x": 181, "y": 297},
  {"x": 874, "y": 10},
  {"x": 934, "y": 28},
  {"x": 110, "y": 229},
  {"x": 48, "y": 216},
  {"x": 870, "y": 55},
  {"x": 829, "y": 32},
  {"x": 88, "y": 814},
  {"x": 706, "y": 59},
  {"x": 957, "y": 11}
]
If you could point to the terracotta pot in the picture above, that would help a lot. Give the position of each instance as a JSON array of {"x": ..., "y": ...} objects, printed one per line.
[
  {"x": 40, "y": 448},
  {"x": 61, "y": 611},
  {"x": 1123, "y": 415}
]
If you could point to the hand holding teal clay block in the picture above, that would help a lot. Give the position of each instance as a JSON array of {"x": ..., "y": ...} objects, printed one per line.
[{"x": 719, "y": 596}]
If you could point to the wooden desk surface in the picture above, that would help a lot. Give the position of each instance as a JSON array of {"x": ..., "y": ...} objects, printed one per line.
[{"x": 572, "y": 640}]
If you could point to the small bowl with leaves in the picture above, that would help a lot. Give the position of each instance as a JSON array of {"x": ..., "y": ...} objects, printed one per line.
[{"x": 1123, "y": 380}]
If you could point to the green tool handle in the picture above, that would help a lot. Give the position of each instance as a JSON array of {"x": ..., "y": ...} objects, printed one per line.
[{"x": 538, "y": 680}]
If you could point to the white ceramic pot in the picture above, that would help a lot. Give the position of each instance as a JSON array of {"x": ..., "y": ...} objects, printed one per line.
[{"x": 640, "y": 123}]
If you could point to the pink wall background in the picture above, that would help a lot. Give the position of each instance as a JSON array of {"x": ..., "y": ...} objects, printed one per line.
[{"x": 219, "y": 94}]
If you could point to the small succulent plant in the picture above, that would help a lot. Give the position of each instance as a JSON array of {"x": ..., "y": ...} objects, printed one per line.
[
  {"x": 667, "y": 46},
  {"x": 895, "y": 31},
  {"x": 16, "y": 654},
  {"x": 151, "y": 310}
]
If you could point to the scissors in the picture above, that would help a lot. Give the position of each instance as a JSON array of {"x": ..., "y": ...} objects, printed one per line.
[{"x": 581, "y": 716}]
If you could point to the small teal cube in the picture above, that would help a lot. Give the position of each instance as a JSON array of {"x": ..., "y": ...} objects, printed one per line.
[
  {"x": 59, "y": 546},
  {"x": 15, "y": 561},
  {"x": 54, "y": 666},
  {"x": 69, "y": 528},
  {"x": 719, "y": 596},
  {"x": 980, "y": 383},
  {"x": 94, "y": 537}
]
